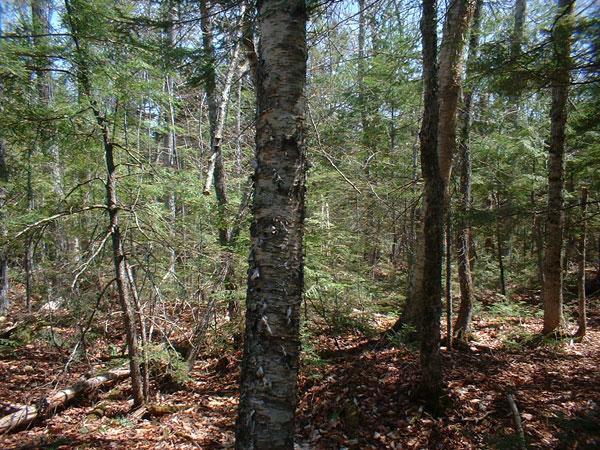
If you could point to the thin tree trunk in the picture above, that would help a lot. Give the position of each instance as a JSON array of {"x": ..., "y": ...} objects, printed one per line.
[
  {"x": 217, "y": 112},
  {"x": 463, "y": 239},
  {"x": 120, "y": 263},
  {"x": 449, "y": 306},
  {"x": 275, "y": 278},
  {"x": 516, "y": 42},
  {"x": 539, "y": 248},
  {"x": 456, "y": 28},
  {"x": 4, "y": 300},
  {"x": 552, "y": 289},
  {"x": 40, "y": 11},
  {"x": 170, "y": 138},
  {"x": 500, "y": 254},
  {"x": 582, "y": 319}
]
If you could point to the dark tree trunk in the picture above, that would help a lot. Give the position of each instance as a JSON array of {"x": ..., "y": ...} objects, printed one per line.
[
  {"x": 463, "y": 239},
  {"x": 433, "y": 202},
  {"x": 500, "y": 254},
  {"x": 4, "y": 300},
  {"x": 553, "y": 283},
  {"x": 449, "y": 305},
  {"x": 582, "y": 319},
  {"x": 275, "y": 276},
  {"x": 436, "y": 165},
  {"x": 112, "y": 206},
  {"x": 539, "y": 248}
]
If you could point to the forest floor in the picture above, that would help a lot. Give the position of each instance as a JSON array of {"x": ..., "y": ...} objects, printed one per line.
[{"x": 355, "y": 393}]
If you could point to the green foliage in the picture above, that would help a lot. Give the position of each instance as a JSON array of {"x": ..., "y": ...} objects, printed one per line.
[
  {"x": 403, "y": 337},
  {"x": 166, "y": 364},
  {"x": 522, "y": 339},
  {"x": 509, "y": 308},
  {"x": 310, "y": 356},
  {"x": 8, "y": 346}
]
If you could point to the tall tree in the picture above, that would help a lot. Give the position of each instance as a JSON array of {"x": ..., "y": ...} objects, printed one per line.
[
  {"x": 4, "y": 301},
  {"x": 76, "y": 16},
  {"x": 275, "y": 277},
  {"x": 582, "y": 317},
  {"x": 448, "y": 76},
  {"x": 463, "y": 240},
  {"x": 436, "y": 165},
  {"x": 516, "y": 42},
  {"x": 434, "y": 188},
  {"x": 552, "y": 288},
  {"x": 217, "y": 111}
]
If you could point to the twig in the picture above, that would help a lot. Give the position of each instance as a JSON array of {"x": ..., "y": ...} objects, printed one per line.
[
  {"x": 85, "y": 265},
  {"x": 57, "y": 216},
  {"x": 312, "y": 121}
]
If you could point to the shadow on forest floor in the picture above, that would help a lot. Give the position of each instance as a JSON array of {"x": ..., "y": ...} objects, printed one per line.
[{"x": 360, "y": 396}]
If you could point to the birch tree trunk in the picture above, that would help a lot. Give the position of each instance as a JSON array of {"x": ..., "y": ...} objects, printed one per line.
[
  {"x": 170, "y": 138},
  {"x": 553, "y": 283},
  {"x": 217, "y": 112},
  {"x": 275, "y": 277}
]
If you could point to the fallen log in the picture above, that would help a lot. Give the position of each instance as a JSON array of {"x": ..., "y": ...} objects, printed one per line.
[{"x": 48, "y": 405}]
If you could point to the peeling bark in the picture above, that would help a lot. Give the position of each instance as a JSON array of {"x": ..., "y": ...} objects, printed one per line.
[{"x": 275, "y": 276}]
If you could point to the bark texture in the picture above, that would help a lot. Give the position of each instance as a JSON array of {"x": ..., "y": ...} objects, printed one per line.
[
  {"x": 552, "y": 289},
  {"x": 275, "y": 276},
  {"x": 433, "y": 228},
  {"x": 456, "y": 28},
  {"x": 463, "y": 238}
]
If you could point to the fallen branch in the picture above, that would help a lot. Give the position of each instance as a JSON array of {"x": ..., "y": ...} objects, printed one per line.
[
  {"x": 48, "y": 405},
  {"x": 517, "y": 418}
]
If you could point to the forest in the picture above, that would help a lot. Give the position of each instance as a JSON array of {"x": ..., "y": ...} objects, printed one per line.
[{"x": 299, "y": 224}]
